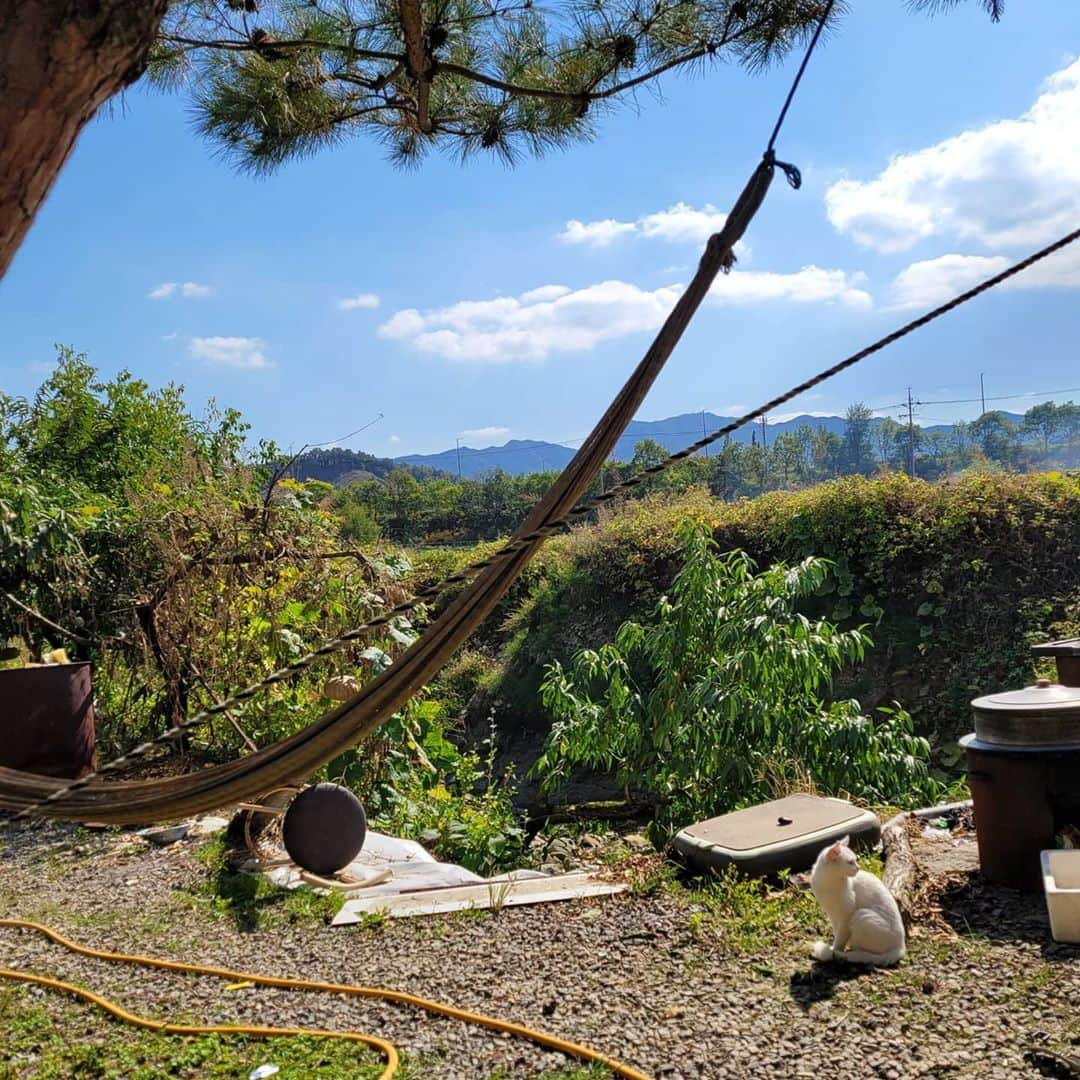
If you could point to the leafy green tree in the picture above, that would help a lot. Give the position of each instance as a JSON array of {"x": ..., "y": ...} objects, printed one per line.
[
  {"x": 1051, "y": 425},
  {"x": 756, "y": 474},
  {"x": 805, "y": 434},
  {"x": 996, "y": 435},
  {"x": 723, "y": 690},
  {"x": 403, "y": 500},
  {"x": 858, "y": 453},
  {"x": 726, "y": 470},
  {"x": 357, "y": 524},
  {"x": 827, "y": 449},
  {"x": 647, "y": 452},
  {"x": 76, "y": 458},
  {"x": 886, "y": 438},
  {"x": 788, "y": 453},
  {"x": 935, "y": 456}
]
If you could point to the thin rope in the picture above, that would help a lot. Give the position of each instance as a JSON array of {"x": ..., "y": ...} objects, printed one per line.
[
  {"x": 466, "y": 573},
  {"x": 798, "y": 76},
  {"x": 70, "y": 635}
]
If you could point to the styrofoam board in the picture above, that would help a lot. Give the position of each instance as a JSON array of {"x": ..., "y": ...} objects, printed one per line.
[{"x": 495, "y": 894}]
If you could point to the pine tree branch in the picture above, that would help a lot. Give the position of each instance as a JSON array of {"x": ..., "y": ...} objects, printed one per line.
[
  {"x": 429, "y": 66},
  {"x": 247, "y": 45},
  {"x": 485, "y": 76}
]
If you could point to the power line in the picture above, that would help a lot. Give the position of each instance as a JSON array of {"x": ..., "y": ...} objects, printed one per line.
[{"x": 1004, "y": 397}]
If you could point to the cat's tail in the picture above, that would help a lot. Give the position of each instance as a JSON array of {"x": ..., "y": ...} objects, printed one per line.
[{"x": 860, "y": 956}]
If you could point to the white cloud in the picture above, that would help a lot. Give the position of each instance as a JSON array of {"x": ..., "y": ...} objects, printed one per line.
[
  {"x": 555, "y": 318},
  {"x": 933, "y": 281},
  {"x": 731, "y": 410},
  {"x": 394, "y": 439},
  {"x": 811, "y": 284},
  {"x": 191, "y": 290},
  {"x": 365, "y": 300},
  {"x": 680, "y": 223},
  {"x": 238, "y": 352},
  {"x": 1012, "y": 183},
  {"x": 534, "y": 324},
  {"x": 493, "y": 432},
  {"x": 595, "y": 233},
  {"x": 545, "y": 292}
]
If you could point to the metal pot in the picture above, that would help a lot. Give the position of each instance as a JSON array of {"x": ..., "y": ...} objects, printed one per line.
[{"x": 1039, "y": 717}]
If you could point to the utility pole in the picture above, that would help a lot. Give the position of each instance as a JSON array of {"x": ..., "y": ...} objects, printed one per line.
[
  {"x": 982, "y": 394},
  {"x": 458, "y": 443},
  {"x": 910, "y": 435},
  {"x": 703, "y": 431},
  {"x": 764, "y": 455}
]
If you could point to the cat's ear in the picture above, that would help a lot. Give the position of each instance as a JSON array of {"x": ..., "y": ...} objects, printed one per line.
[
  {"x": 845, "y": 841},
  {"x": 834, "y": 851}
]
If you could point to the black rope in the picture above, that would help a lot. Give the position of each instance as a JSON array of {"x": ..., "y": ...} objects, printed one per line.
[
  {"x": 465, "y": 574},
  {"x": 798, "y": 78}
]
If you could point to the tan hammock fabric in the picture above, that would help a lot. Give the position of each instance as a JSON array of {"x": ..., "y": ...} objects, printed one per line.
[{"x": 296, "y": 758}]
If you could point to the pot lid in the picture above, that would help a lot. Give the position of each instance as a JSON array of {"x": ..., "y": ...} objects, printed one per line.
[
  {"x": 1044, "y": 696},
  {"x": 1068, "y": 647}
]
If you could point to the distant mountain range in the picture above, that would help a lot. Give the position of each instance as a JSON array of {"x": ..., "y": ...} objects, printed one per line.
[
  {"x": 518, "y": 456},
  {"x": 673, "y": 433},
  {"x": 340, "y": 466}
]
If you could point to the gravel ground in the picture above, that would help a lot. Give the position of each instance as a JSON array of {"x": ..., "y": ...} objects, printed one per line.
[{"x": 649, "y": 979}]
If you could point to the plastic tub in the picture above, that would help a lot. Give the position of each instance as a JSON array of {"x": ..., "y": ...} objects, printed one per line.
[{"x": 1061, "y": 880}]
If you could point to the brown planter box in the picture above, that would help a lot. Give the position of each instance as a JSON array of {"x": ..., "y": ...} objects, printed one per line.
[{"x": 47, "y": 720}]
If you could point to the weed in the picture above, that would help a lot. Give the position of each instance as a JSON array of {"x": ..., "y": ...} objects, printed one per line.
[
  {"x": 54, "y": 1045},
  {"x": 251, "y": 900},
  {"x": 750, "y": 914}
]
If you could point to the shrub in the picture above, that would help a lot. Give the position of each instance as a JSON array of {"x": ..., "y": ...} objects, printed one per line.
[
  {"x": 724, "y": 691},
  {"x": 956, "y": 580},
  {"x": 419, "y": 785}
]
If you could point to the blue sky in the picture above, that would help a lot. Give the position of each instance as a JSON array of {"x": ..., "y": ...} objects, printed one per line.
[{"x": 489, "y": 303}]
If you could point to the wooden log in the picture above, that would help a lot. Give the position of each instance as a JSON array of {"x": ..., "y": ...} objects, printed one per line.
[{"x": 899, "y": 874}]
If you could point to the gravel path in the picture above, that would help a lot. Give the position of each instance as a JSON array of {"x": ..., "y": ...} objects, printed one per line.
[{"x": 651, "y": 980}]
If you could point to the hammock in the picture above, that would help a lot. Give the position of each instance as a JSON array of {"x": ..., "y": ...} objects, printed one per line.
[{"x": 294, "y": 759}]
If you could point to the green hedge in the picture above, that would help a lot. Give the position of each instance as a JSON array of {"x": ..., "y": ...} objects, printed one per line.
[{"x": 954, "y": 581}]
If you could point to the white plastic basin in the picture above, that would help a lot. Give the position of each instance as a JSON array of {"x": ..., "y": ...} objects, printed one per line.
[{"x": 1061, "y": 881}]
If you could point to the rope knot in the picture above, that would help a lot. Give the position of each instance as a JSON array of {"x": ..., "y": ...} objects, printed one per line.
[{"x": 794, "y": 176}]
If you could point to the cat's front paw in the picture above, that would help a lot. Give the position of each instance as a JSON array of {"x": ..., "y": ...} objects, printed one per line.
[{"x": 821, "y": 951}]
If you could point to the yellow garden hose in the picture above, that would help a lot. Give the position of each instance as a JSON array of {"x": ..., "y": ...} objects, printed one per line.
[{"x": 387, "y": 1049}]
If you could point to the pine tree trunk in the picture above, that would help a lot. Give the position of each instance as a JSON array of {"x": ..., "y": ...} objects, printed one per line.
[{"x": 60, "y": 60}]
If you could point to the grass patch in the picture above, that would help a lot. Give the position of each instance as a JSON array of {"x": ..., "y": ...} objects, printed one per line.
[
  {"x": 252, "y": 901},
  {"x": 72, "y": 1039},
  {"x": 751, "y": 914}
]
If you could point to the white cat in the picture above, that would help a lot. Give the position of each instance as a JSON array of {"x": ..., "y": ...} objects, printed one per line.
[{"x": 867, "y": 928}]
